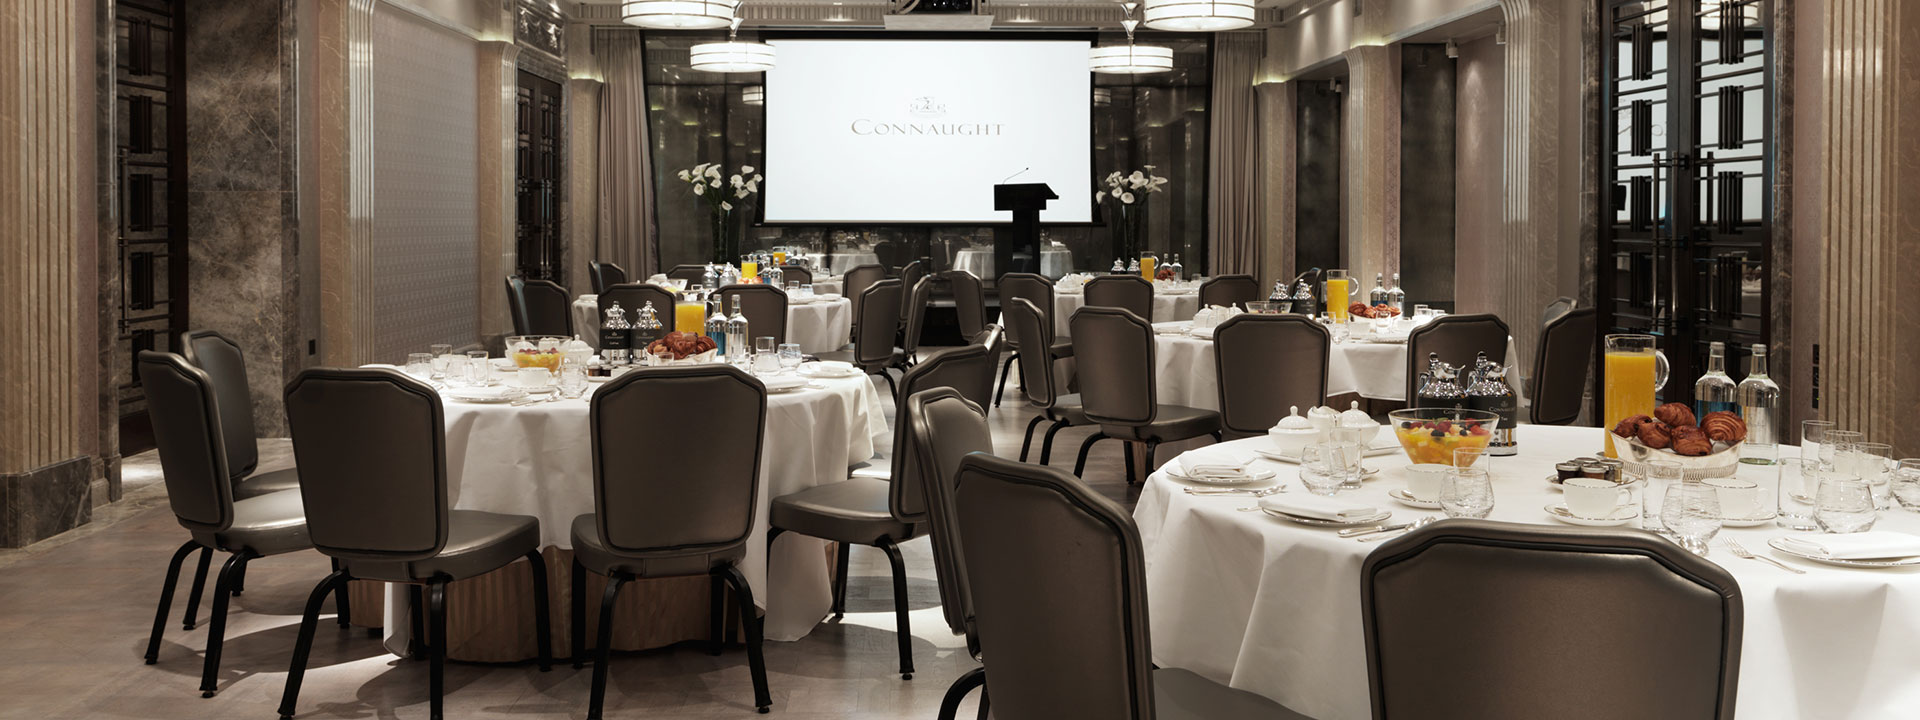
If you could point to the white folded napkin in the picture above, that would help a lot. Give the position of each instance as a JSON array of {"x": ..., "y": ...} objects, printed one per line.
[
  {"x": 1856, "y": 546},
  {"x": 1318, "y": 507},
  {"x": 1173, "y": 327},
  {"x": 1217, "y": 467},
  {"x": 657, "y": 278}
]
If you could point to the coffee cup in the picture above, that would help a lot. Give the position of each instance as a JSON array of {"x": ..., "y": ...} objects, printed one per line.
[
  {"x": 1593, "y": 498},
  {"x": 1423, "y": 480},
  {"x": 534, "y": 378},
  {"x": 1739, "y": 499}
]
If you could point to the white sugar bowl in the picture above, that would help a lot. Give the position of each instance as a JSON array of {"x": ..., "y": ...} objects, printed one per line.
[
  {"x": 1293, "y": 433},
  {"x": 1356, "y": 419}
]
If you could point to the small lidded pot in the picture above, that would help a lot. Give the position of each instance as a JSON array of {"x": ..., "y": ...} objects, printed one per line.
[
  {"x": 1293, "y": 433},
  {"x": 1356, "y": 419}
]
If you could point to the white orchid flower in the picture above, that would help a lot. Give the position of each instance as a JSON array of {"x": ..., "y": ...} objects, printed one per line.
[
  {"x": 699, "y": 189},
  {"x": 683, "y": 176},
  {"x": 745, "y": 169},
  {"x": 1116, "y": 193},
  {"x": 713, "y": 171},
  {"x": 726, "y": 205},
  {"x": 715, "y": 182},
  {"x": 736, "y": 180},
  {"x": 756, "y": 177},
  {"x": 1127, "y": 198}
]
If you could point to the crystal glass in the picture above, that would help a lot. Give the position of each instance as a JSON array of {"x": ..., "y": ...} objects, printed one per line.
[
  {"x": 573, "y": 379},
  {"x": 1844, "y": 504},
  {"x": 793, "y": 288},
  {"x": 1836, "y": 441},
  {"x": 790, "y": 355},
  {"x": 1906, "y": 483},
  {"x": 1327, "y": 467},
  {"x": 1873, "y": 464},
  {"x": 1466, "y": 493},
  {"x": 419, "y": 365},
  {"x": 1467, "y": 456},
  {"x": 1659, "y": 475},
  {"x": 1320, "y": 483},
  {"x": 1691, "y": 514},
  {"x": 440, "y": 353},
  {"x": 1794, "y": 494},
  {"x": 1340, "y": 331},
  {"x": 1757, "y": 453},
  {"x": 454, "y": 370},
  {"x": 479, "y": 371},
  {"x": 1812, "y": 434}
]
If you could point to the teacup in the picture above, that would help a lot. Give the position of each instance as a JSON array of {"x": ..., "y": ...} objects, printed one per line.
[
  {"x": 534, "y": 378},
  {"x": 1739, "y": 499},
  {"x": 1593, "y": 498},
  {"x": 1423, "y": 480}
]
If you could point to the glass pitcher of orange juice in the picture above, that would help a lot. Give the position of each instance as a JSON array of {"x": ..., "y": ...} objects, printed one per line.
[
  {"x": 749, "y": 268},
  {"x": 690, "y": 314},
  {"x": 1339, "y": 289},
  {"x": 1634, "y": 370},
  {"x": 1147, "y": 262}
]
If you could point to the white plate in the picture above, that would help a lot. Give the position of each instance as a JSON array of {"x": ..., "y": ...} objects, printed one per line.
[
  {"x": 1181, "y": 291},
  {"x": 495, "y": 394},
  {"x": 1372, "y": 451},
  {"x": 1204, "y": 333},
  {"x": 1317, "y": 522},
  {"x": 1843, "y": 562},
  {"x": 784, "y": 383},
  {"x": 825, "y": 370},
  {"x": 1252, "y": 476},
  {"x": 1403, "y": 497},
  {"x": 1621, "y": 516},
  {"x": 826, "y": 297},
  {"x": 1765, "y": 518}
]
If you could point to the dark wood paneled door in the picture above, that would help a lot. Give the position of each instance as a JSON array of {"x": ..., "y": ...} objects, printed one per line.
[
  {"x": 150, "y": 169},
  {"x": 537, "y": 178}
]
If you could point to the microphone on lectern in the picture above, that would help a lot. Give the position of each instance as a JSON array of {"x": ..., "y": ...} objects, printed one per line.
[{"x": 1015, "y": 175}]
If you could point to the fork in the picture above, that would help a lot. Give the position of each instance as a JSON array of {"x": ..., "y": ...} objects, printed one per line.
[
  {"x": 1238, "y": 493},
  {"x": 1739, "y": 551}
]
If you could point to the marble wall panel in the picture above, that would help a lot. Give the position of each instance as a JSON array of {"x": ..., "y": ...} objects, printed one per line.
[
  {"x": 1479, "y": 136},
  {"x": 1318, "y": 217}
]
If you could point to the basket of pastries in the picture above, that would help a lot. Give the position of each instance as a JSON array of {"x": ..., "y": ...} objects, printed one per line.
[
  {"x": 1706, "y": 447},
  {"x": 681, "y": 348}
]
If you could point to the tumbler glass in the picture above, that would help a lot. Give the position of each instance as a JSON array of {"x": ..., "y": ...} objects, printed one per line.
[
  {"x": 1906, "y": 484},
  {"x": 1466, "y": 493},
  {"x": 1691, "y": 514},
  {"x": 1794, "y": 495},
  {"x": 1844, "y": 505}
]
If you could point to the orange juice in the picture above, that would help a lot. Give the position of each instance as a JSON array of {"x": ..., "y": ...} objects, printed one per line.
[
  {"x": 1146, "y": 267},
  {"x": 748, "y": 271},
  {"x": 1630, "y": 387},
  {"x": 690, "y": 317},
  {"x": 1337, "y": 293},
  {"x": 779, "y": 258}
]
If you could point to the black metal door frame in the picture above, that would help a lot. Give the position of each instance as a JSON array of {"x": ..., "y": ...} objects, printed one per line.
[{"x": 537, "y": 139}]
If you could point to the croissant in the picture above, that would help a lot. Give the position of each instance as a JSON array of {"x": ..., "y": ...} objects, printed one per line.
[
  {"x": 1655, "y": 435},
  {"x": 1674, "y": 414},
  {"x": 1692, "y": 441},
  {"x": 1630, "y": 425},
  {"x": 1724, "y": 426}
]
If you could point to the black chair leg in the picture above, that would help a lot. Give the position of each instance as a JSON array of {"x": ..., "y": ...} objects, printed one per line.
[
  {"x": 983, "y": 714},
  {"x": 892, "y": 389},
  {"x": 1127, "y": 449},
  {"x": 1046, "y": 447},
  {"x": 417, "y": 609},
  {"x": 841, "y": 568},
  {"x": 216, "y": 632},
  {"x": 303, "y": 647},
  {"x": 437, "y": 667},
  {"x": 599, "y": 697},
  {"x": 199, "y": 581},
  {"x": 240, "y": 582},
  {"x": 902, "y": 628},
  {"x": 1027, "y": 444},
  {"x": 166, "y": 600},
  {"x": 1080, "y": 466},
  {"x": 1217, "y": 437},
  {"x": 542, "y": 615},
  {"x": 716, "y": 614},
  {"x": 950, "y": 705},
  {"x": 579, "y": 614},
  {"x": 750, "y": 620},
  {"x": 1005, "y": 370},
  {"x": 1152, "y": 445},
  {"x": 341, "y": 608}
]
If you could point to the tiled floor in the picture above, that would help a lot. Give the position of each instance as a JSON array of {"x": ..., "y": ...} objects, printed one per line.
[{"x": 75, "y": 612}]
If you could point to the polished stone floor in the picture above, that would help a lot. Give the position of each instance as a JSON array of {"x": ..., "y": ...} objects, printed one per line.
[{"x": 75, "y": 612}]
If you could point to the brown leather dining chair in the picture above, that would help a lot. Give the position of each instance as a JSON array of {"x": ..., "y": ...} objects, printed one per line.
[
  {"x": 693, "y": 274},
  {"x": 372, "y": 448},
  {"x": 1038, "y": 290},
  {"x": 765, "y": 307},
  {"x": 1127, "y": 292},
  {"x": 223, "y": 362},
  {"x": 539, "y": 307},
  {"x": 604, "y": 275},
  {"x": 1266, "y": 364},
  {"x": 796, "y": 273},
  {"x": 969, "y": 302},
  {"x": 1480, "y": 620},
  {"x": 910, "y": 275},
  {"x": 1043, "y": 391},
  {"x": 648, "y": 524},
  {"x": 1457, "y": 339},
  {"x": 944, "y": 427},
  {"x": 634, "y": 296},
  {"x": 854, "y": 284},
  {"x": 1561, "y": 364},
  {"x": 914, "y": 312},
  {"x": 1057, "y": 582},
  {"x": 881, "y": 512},
  {"x": 993, "y": 339},
  {"x": 193, "y": 459},
  {"x": 873, "y": 350},
  {"x": 1117, "y": 387},
  {"x": 1229, "y": 290}
]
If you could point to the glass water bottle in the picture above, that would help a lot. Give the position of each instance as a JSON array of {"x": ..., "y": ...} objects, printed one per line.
[
  {"x": 1397, "y": 298},
  {"x": 717, "y": 326},
  {"x": 739, "y": 344},
  {"x": 1760, "y": 401},
  {"x": 1377, "y": 296},
  {"x": 1715, "y": 391},
  {"x": 1179, "y": 271}
]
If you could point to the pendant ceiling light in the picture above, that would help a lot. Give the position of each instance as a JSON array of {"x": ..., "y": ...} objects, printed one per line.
[
  {"x": 678, "y": 14},
  {"x": 732, "y": 56},
  {"x": 1130, "y": 59},
  {"x": 1199, "y": 15}
]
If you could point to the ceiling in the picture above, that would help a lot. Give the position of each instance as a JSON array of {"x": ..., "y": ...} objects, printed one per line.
[{"x": 1009, "y": 14}]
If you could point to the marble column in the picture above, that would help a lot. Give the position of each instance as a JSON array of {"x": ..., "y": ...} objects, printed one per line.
[
  {"x": 1278, "y": 125},
  {"x": 1527, "y": 272},
  {"x": 1372, "y": 157}
]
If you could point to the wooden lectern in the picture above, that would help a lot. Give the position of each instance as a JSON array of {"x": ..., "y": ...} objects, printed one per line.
[{"x": 1017, "y": 248}]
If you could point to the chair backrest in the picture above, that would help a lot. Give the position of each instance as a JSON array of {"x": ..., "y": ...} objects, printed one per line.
[
  {"x": 796, "y": 273},
  {"x": 994, "y": 340},
  {"x": 855, "y": 283},
  {"x": 1266, "y": 364},
  {"x": 642, "y": 508},
  {"x": 1648, "y": 629},
  {"x": 1560, "y": 306},
  {"x": 187, "y": 432},
  {"x": 1457, "y": 338},
  {"x": 1127, "y": 292},
  {"x": 1561, "y": 361},
  {"x": 1229, "y": 290},
  {"x": 1113, "y": 351},
  {"x": 1027, "y": 325},
  {"x": 605, "y": 275},
  {"x": 765, "y": 307},
  {"x": 910, "y": 275},
  {"x": 913, "y": 314},
  {"x": 969, "y": 302},
  {"x": 693, "y": 274},
  {"x": 539, "y": 307},
  {"x": 1036, "y": 289},
  {"x": 371, "y": 445},
  {"x": 943, "y": 428},
  {"x": 1057, "y": 580},
  {"x": 965, "y": 369},
  {"x": 634, "y": 296},
  {"x": 226, "y": 366},
  {"x": 877, "y": 309}
]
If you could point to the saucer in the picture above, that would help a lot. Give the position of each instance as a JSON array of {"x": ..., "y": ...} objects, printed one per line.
[
  {"x": 1403, "y": 497},
  {"x": 1765, "y": 517},
  {"x": 1621, "y": 515},
  {"x": 1874, "y": 563}
]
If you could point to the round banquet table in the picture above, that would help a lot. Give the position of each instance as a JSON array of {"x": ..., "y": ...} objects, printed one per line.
[
  {"x": 1167, "y": 307},
  {"x": 839, "y": 263},
  {"x": 829, "y": 284},
  {"x": 1185, "y": 372},
  {"x": 535, "y": 460},
  {"x": 818, "y": 326},
  {"x": 1273, "y": 607},
  {"x": 1054, "y": 262}
]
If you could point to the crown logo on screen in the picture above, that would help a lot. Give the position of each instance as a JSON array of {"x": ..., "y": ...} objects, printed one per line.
[{"x": 927, "y": 107}]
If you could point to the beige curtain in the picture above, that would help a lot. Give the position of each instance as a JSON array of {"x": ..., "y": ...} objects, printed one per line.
[
  {"x": 1234, "y": 215},
  {"x": 626, "y": 169}
]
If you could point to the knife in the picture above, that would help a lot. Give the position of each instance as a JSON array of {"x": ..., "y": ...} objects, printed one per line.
[{"x": 1357, "y": 532}]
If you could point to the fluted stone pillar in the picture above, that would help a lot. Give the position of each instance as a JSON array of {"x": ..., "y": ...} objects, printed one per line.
[
  {"x": 1278, "y": 127},
  {"x": 1372, "y": 158},
  {"x": 1526, "y": 274},
  {"x": 338, "y": 153}
]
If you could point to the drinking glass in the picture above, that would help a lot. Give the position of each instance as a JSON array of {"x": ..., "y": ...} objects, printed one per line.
[
  {"x": 1873, "y": 464},
  {"x": 1339, "y": 331},
  {"x": 1634, "y": 371},
  {"x": 454, "y": 372},
  {"x": 1759, "y": 453},
  {"x": 1691, "y": 513},
  {"x": 1659, "y": 475},
  {"x": 1794, "y": 495},
  {"x": 1906, "y": 483},
  {"x": 1467, "y": 456},
  {"x": 1466, "y": 493},
  {"x": 1844, "y": 504},
  {"x": 1421, "y": 311},
  {"x": 790, "y": 355},
  {"x": 793, "y": 288},
  {"x": 419, "y": 365},
  {"x": 1812, "y": 434},
  {"x": 1327, "y": 467},
  {"x": 440, "y": 353},
  {"x": 479, "y": 371},
  {"x": 1836, "y": 441},
  {"x": 573, "y": 379}
]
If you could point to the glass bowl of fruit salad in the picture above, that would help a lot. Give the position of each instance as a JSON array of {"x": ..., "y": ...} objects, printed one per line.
[
  {"x": 541, "y": 351},
  {"x": 1430, "y": 435}
]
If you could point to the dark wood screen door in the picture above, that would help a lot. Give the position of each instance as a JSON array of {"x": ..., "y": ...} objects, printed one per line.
[
  {"x": 537, "y": 179},
  {"x": 150, "y": 150}
]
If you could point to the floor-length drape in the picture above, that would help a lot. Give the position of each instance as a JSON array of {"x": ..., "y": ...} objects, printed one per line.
[
  {"x": 1234, "y": 217},
  {"x": 626, "y": 170}
]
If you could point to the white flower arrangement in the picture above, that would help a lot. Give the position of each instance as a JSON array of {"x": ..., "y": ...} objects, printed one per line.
[
  {"x": 1130, "y": 188},
  {"x": 722, "y": 192}
]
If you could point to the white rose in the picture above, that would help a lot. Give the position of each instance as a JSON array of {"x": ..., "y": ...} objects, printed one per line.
[
  {"x": 699, "y": 189},
  {"x": 746, "y": 168},
  {"x": 1127, "y": 198}
]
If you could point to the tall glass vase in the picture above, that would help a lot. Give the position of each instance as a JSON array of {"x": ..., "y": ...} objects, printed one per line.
[
  {"x": 723, "y": 250},
  {"x": 1130, "y": 234}
]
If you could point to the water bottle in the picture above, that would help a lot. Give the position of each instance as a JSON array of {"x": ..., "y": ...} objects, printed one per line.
[
  {"x": 1397, "y": 298},
  {"x": 739, "y": 344},
  {"x": 717, "y": 326}
]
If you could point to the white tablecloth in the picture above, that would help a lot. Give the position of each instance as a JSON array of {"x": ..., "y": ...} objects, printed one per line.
[
  {"x": 1272, "y": 607},
  {"x": 841, "y": 262},
  {"x": 1186, "y": 373},
  {"x": 829, "y": 284},
  {"x": 1054, "y": 262},
  {"x": 535, "y": 461},
  {"x": 1167, "y": 307},
  {"x": 821, "y": 326}
]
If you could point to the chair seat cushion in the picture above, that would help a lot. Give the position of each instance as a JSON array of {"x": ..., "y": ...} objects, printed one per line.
[
  {"x": 1170, "y": 422},
  {"x": 1067, "y": 408},
  {"x": 1062, "y": 349},
  {"x": 271, "y": 481},
  {"x": 1181, "y": 695},
  {"x": 268, "y": 524},
  {"x": 848, "y": 357},
  {"x": 594, "y": 555},
  {"x": 852, "y": 510},
  {"x": 477, "y": 543}
]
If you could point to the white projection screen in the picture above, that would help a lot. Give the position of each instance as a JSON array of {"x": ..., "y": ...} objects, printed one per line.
[{"x": 919, "y": 131}]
